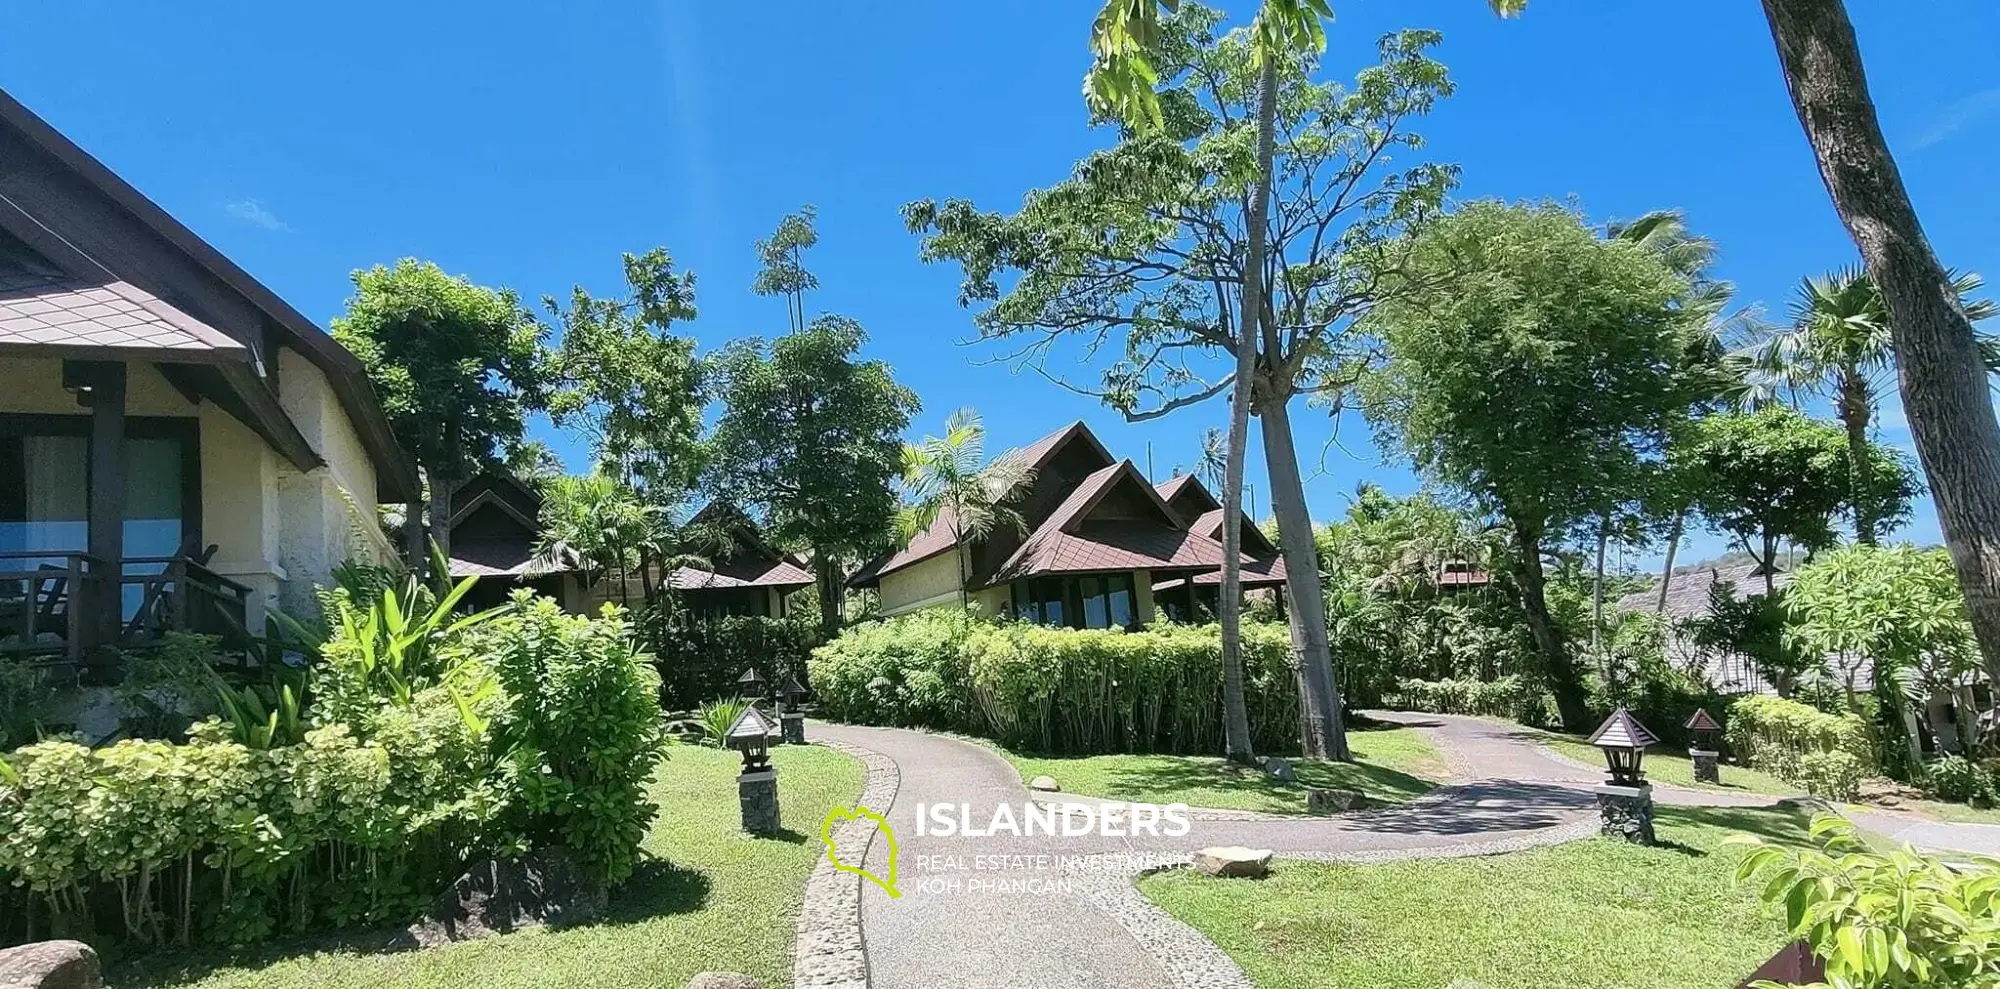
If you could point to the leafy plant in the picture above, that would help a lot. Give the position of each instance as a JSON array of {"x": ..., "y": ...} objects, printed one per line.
[
  {"x": 1958, "y": 778},
  {"x": 716, "y": 716},
  {"x": 24, "y": 696},
  {"x": 1883, "y": 920},
  {"x": 1827, "y": 753}
]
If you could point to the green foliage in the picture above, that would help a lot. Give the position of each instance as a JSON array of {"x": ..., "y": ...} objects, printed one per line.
[
  {"x": 581, "y": 733},
  {"x": 1899, "y": 606},
  {"x": 457, "y": 366},
  {"x": 600, "y": 522},
  {"x": 1057, "y": 690},
  {"x": 390, "y": 649},
  {"x": 1960, "y": 779},
  {"x": 168, "y": 687},
  {"x": 716, "y": 716},
  {"x": 1751, "y": 625},
  {"x": 700, "y": 659},
  {"x": 25, "y": 694},
  {"x": 1828, "y": 754},
  {"x": 1883, "y": 920},
  {"x": 1506, "y": 697}
]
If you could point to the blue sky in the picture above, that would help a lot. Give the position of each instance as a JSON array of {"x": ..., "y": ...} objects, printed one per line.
[{"x": 528, "y": 144}]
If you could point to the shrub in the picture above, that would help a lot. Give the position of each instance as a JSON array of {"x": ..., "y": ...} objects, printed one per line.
[
  {"x": 24, "y": 694},
  {"x": 700, "y": 659},
  {"x": 1900, "y": 919},
  {"x": 715, "y": 717},
  {"x": 1960, "y": 779},
  {"x": 1798, "y": 743},
  {"x": 1057, "y": 690},
  {"x": 1506, "y": 697}
]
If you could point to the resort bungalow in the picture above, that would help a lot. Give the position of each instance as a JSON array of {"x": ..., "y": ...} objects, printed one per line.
[
  {"x": 744, "y": 575},
  {"x": 178, "y": 446},
  {"x": 1098, "y": 540},
  {"x": 495, "y": 531},
  {"x": 1197, "y": 597}
]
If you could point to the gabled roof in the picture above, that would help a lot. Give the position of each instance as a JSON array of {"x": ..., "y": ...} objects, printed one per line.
[
  {"x": 1071, "y": 541},
  {"x": 91, "y": 244},
  {"x": 1187, "y": 489},
  {"x": 751, "y": 562},
  {"x": 937, "y": 538},
  {"x": 60, "y": 315}
]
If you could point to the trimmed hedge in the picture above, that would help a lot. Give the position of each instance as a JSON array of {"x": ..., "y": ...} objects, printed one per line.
[
  {"x": 1056, "y": 690},
  {"x": 1828, "y": 754},
  {"x": 1506, "y": 697},
  {"x": 700, "y": 659}
]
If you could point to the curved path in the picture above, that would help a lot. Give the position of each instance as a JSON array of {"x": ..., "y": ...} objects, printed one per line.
[{"x": 1057, "y": 911}]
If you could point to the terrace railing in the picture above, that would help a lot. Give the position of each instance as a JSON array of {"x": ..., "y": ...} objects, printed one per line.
[{"x": 45, "y": 611}]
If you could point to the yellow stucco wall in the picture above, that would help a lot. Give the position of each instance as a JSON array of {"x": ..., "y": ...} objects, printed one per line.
[
  {"x": 925, "y": 584},
  {"x": 327, "y": 515}
]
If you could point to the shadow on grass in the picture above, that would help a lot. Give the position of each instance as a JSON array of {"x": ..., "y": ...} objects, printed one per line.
[
  {"x": 657, "y": 888},
  {"x": 1155, "y": 776},
  {"x": 1772, "y": 824}
]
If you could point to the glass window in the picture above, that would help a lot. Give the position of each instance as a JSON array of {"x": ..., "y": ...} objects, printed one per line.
[
  {"x": 44, "y": 493},
  {"x": 1118, "y": 588},
  {"x": 1096, "y": 613}
]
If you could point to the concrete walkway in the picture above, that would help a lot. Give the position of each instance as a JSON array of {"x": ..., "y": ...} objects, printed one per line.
[{"x": 1055, "y": 911}]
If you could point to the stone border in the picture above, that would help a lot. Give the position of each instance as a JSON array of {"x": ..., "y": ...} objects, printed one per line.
[
  {"x": 828, "y": 951},
  {"x": 1192, "y": 961}
]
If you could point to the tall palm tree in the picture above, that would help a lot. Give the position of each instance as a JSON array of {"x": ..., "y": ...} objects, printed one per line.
[
  {"x": 950, "y": 481},
  {"x": 1840, "y": 346}
]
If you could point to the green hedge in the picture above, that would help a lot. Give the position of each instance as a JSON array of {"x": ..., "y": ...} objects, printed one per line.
[
  {"x": 700, "y": 659},
  {"x": 1506, "y": 697},
  {"x": 1828, "y": 754},
  {"x": 1055, "y": 690},
  {"x": 417, "y": 742}
]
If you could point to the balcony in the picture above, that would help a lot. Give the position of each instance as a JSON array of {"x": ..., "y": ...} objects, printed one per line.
[{"x": 53, "y": 607}]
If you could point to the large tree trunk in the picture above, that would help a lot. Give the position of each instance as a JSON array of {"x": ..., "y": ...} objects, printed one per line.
[
  {"x": 413, "y": 538},
  {"x": 440, "y": 520},
  {"x": 1854, "y": 414},
  {"x": 1235, "y": 710},
  {"x": 1326, "y": 729},
  {"x": 1673, "y": 548},
  {"x": 826, "y": 573},
  {"x": 1557, "y": 667},
  {"x": 1942, "y": 377}
]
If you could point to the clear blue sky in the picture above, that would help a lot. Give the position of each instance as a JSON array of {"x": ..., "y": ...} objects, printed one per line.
[{"x": 528, "y": 144}]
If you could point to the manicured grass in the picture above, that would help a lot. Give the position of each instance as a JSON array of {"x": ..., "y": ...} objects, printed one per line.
[
  {"x": 710, "y": 898},
  {"x": 1391, "y": 765},
  {"x": 1664, "y": 765},
  {"x": 1589, "y": 915},
  {"x": 1957, "y": 813}
]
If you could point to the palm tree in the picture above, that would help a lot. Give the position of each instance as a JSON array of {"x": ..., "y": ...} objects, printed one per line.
[
  {"x": 599, "y": 522},
  {"x": 950, "y": 482},
  {"x": 1839, "y": 346}
]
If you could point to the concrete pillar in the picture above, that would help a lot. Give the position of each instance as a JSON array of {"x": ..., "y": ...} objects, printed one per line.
[
  {"x": 1707, "y": 766},
  {"x": 1627, "y": 812},
  {"x": 792, "y": 728},
  {"x": 757, "y": 791}
]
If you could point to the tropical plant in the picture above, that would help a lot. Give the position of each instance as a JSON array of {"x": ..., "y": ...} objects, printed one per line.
[
  {"x": 1882, "y": 920},
  {"x": 389, "y": 650},
  {"x": 951, "y": 484},
  {"x": 1941, "y": 365},
  {"x": 601, "y": 523},
  {"x": 716, "y": 717}
]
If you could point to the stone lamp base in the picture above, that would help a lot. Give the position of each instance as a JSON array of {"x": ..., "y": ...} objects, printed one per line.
[
  {"x": 1627, "y": 812},
  {"x": 792, "y": 728},
  {"x": 758, "y": 793},
  {"x": 1707, "y": 766}
]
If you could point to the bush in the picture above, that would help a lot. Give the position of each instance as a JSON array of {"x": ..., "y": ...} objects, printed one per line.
[
  {"x": 1506, "y": 697},
  {"x": 700, "y": 659},
  {"x": 24, "y": 694},
  {"x": 1900, "y": 919},
  {"x": 1056, "y": 690},
  {"x": 1799, "y": 743},
  {"x": 1960, "y": 779},
  {"x": 415, "y": 752}
]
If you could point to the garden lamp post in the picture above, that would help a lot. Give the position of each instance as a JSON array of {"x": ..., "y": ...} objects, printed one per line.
[
  {"x": 757, "y": 785},
  {"x": 1626, "y": 801},
  {"x": 751, "y": 685},
  {"x": 791, "y": 719},
  {"x": 1706, "y": 754}
]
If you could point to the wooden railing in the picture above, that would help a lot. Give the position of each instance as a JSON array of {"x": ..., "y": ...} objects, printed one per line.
[{"x": 45, "y": 610}]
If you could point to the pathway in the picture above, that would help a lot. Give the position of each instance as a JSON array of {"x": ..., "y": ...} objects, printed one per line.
[{"x": 1060, "y": 911}]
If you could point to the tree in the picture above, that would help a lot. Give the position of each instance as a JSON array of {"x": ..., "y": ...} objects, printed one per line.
[
  {"x": 532, "y": 463},
  {"x": 599, "y": 521},
  {"x": 784, "y": 271},
  {"x": 1541, "y": 370},
  {"x": 1775, "y": 475},
  {"x": 456, "y": 366},
  {"x": 949, "y": 481},
  {"x": 811, "y": 435},
  {"x": 1940, "y": 362}
]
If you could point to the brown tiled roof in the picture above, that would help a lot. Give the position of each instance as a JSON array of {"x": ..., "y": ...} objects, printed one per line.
[
  {"x": 499, "y": 558},
  {"x": 744, "y": 571},
  {"x": 61, "y": 314},
  {"x": 1174, "y": 487},
  {"x": 1071, "y": 542},
  {"x": 938, "y": 538},
  {"x": 1264, "y": 572}
]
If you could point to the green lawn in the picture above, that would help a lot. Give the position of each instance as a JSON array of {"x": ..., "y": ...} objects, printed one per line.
[
  {"x": 1589, "y": 915},
  {"x": 1664, "y": 765},
  {"x": 1392, "y": 765},
  {"x": 711, "y": 898}
]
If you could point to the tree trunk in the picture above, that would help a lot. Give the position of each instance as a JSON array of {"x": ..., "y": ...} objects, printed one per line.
[
  {"x": 440, "y": 520},
  {"x": 1235, "y": 710},
  {"x": 1854, "y": 414},
  {"x": 1673, "y": 548},
  {"x": 1597, "y": 591},
  {"x": 1942, "y": 377},
  {"x": 1327, "y": 736},
  {"x": 413, "y": 538},
  {"x": 1557, "y": 667},
  {"x": 826, "y": 573}
]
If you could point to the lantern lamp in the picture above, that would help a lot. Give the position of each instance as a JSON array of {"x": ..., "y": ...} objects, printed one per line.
[
  {"x": 751, "y": 683},
  {"x": 750, "y": 734},
  {"x": 1624, "y": 742},
  {"x": 1705, "y": 729},
  {"x": 794, "y": 692}
]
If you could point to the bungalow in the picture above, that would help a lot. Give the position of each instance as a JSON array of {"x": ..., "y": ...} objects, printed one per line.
[
  {"x": 178, "y": 446},
  {"x": 1194, "y": 597},
  {"x": 495, "y": 530},
  {"x": 1098, "y": 539},
  {"x": 744, "y": 574}
]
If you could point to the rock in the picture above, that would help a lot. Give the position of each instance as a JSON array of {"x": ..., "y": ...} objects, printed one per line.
[
  {"x": 1280, "y": 769},
  {"x": 1809, "y": 805},
  {"x": 1233, "y": 862},
  {"x": 1046, "y": 784},
  {"x": 50, "y": 965},
  {"x": 1320, "y": 801},
  {"x": 722, "y": 980},
  {"x": 497, "y": 896}
]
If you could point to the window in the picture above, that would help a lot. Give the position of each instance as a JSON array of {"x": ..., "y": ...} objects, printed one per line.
[
  {"x": 45, "y": 485},
  {"x": 1095, "y": 601}
]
